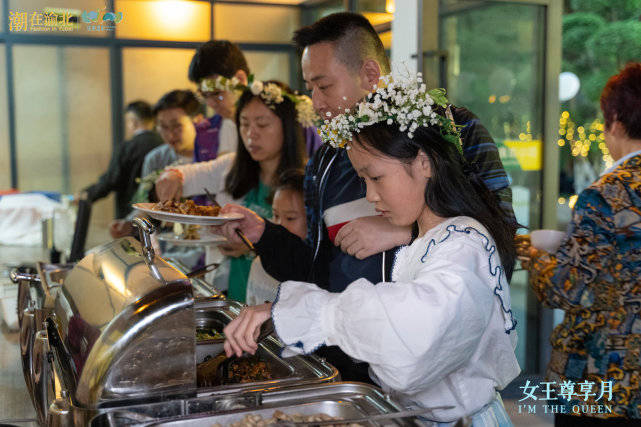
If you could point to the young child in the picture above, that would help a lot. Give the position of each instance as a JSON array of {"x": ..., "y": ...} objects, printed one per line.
[
  {"x": 288, "y": 210},
  {"x": 440, "y": 337}
]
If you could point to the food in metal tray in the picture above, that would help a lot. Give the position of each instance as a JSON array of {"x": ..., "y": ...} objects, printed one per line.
[
  {"x": 251, "y": 420},
  {"x": 188, "y": 207},
  {"x": 247, "y": 370},
  {"x": 203, "y": 334},
  {"x": 220, "y": 370}
]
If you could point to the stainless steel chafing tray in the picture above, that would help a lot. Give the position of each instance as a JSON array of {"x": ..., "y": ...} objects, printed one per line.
[
  {"x": 117, "y": 330},
  {"x": 341, "y": 400},
  {"x": 285, "y": 371}
]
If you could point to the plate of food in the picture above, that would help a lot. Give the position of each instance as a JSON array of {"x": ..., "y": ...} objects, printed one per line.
[{"x": 186, "y": 212}]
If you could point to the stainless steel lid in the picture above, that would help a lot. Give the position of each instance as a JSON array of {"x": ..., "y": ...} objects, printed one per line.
[{"x": 124, "y": 331}]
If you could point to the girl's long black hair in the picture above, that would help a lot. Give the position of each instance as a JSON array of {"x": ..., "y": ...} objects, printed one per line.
[
  {"x": 454, "y": 188},
  {"x": 245, "y": 171}
]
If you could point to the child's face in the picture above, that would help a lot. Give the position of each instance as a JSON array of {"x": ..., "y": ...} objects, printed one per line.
[
  {"x": 397, "y": 189},
  {"x": 289, "y": 211}
]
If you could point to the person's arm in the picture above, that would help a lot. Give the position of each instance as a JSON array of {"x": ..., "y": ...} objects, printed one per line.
[
  {"x": 403, "y": 329},
  {"x": 284, "y": 255},
  {"x": 210, "y": 175},
  {"x": 109, "y": 180},
  {"x": 370, "y": 235},
  {"x": 227, "y": 138},
  {"x": 191, "y": 179},
  {"x": 563, "y": 279}
]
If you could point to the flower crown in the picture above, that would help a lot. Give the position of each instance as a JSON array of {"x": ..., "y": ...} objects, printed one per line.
[
  {"x": 271, "y": 93},
  {"x": 405, "y": 101}
]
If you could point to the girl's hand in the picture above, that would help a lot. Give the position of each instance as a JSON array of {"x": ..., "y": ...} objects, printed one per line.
[
  {"x": 252, "y": 225},
  {"x": 370, "y": 235},
  {"x": 241, "y": 333},
  {"x": 169, "y": 186}
]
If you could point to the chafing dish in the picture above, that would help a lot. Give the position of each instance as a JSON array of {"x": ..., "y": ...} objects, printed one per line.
[
  {"x": 118, "y": 330},
  {"x": 341, "y": 400}
]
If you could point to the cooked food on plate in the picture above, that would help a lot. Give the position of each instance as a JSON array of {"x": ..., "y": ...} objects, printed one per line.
[{"x": 188, "y": 207}]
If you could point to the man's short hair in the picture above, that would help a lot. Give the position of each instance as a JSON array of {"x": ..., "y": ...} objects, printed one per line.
[
  {"x": 141, "y": 109},
  {"x": 184, "y": 99},
  {"x": 354, "y": 37},
  {"x": 621, "y": 98},
  {"x": 219, "y": 57}
]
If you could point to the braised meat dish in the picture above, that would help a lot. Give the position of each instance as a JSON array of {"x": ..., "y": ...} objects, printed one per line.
[{"x": 188, "y": 207}]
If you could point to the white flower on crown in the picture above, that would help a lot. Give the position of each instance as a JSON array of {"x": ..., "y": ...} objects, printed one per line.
[
  {"x": 305, "y": 114},
  {"x": 272, "y": 93},
  {"x": 220, "y": 83},
  {"x": 256, "y": 87},
  {"x": 403, "y": 100}
]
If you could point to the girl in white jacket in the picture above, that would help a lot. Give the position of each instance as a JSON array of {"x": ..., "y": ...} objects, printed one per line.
[{"x": 440, "y": 336}]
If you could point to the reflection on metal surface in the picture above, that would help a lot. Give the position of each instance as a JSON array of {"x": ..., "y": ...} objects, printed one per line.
[
  {"x": 120, "y": 324},
  {"x": 108, "y": 336}
]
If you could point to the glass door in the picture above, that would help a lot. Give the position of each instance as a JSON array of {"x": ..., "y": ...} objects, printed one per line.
[{"x": 495, "y": 67}]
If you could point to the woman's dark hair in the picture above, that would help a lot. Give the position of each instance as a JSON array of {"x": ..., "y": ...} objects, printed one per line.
[
  {"x": 220, "y": 57},
  {"x": 620, "y": 100},
  {"x": 184, "y": 99},
  {"x": 453, "y": 189},
  {"x": 245, "y": 172}
]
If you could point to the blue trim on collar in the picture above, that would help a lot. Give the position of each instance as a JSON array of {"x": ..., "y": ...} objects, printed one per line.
[{"x": 496, "y": 271}]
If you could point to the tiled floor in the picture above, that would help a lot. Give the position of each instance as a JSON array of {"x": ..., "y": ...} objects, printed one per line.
[{"x": 15, "y": 402}]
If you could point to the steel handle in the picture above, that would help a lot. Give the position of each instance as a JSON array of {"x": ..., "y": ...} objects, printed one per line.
[
  {"x": 146, "y": 229},
  {"x": 17, "y": 276}
]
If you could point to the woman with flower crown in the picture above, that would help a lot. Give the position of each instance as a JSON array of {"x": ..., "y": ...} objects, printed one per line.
[
  {"x": 441, "y": 336},
  {"x": 270, "y": 121}
]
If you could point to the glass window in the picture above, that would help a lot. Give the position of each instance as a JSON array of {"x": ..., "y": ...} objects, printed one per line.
[
  {"x": 496, "y": 71},
  {"x": 380, "y": 14},
  {"x": 269, "y": 65},
  {"x": 164, "y": 20},
  {"x": 71, "y": 14},
  {"x": 313, "y": 13},
  {"x": 5, "y": 163},
  {"x": 149, "y": 73},
  {"x": 262, "y": 24},
  {"x": 63, "y": 122}
]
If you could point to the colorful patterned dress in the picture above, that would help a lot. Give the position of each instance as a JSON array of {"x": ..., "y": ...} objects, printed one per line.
[{"x": 595, "y": 277}]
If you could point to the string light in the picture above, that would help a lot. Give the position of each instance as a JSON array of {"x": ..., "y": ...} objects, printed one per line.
[{"x": 579, "y": 138}]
